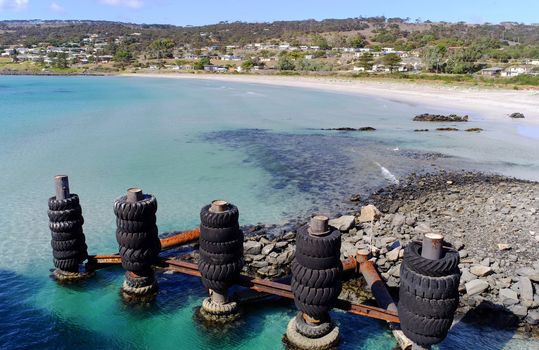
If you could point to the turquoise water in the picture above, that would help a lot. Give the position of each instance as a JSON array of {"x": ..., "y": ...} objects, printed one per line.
[{"x": 189, "y": 142}]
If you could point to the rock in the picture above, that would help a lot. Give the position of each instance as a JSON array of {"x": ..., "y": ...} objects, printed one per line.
[
  {"x": 422, "y": 228},
  {"x": 481, "y": 270},
  {"x": 476, "y": 286},
  {"x": 534, "y": 278},
  {"x": 394, "y": 254},
  {"x": 503, "y": 246},
  {"x": 366, "y": 128},
  {"x": 526, "y": 271},
  {"x": 268, "y": 248},
  {"x": 474, "y": 130},
  {"x": 355, "y": 198},
  {"x": 526, "y": 289},
  {"x": 467, "y": 276},
  {"x": 447, "y": 129},
  {"x": 533, "y": 317},
  {"x": 427, "y": 117},
  {"x": 463, "y": 254},
  {"x": 458, "y": 245},
  {"x": 508, "y": 296},
  {"x": 252, "y": 247},
  {"x": 348, "y": 249},
  {"x": 344, "y": 223},
  {"x": 519, "y": 310},
  {"x": 516, "y": 115},
  {"x": 369, "y": 213},
  {"x": 289, "y": 235},
  {"x": 259, "y": 264},
  {"x": 398, "y": 220}
]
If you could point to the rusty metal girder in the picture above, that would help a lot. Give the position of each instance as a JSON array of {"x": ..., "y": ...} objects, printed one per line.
[
  {"x": 285, "y": 291},
  {"x": 185, "y": 237}
]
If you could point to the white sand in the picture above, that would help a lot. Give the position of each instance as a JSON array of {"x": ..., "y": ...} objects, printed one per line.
[{"x": 491, "y": 104}]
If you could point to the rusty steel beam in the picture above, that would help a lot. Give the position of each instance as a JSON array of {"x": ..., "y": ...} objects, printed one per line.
[
  {"x": 185, "y": 237},
  {"x": 375, "y": 282},
  {"x": 285, "y": 291}
]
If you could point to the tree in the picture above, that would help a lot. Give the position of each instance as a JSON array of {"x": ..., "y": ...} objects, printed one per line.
[
  {"x": 247, "y": 65},
  {"x": 366, "y": 61},
  {"x": 123, "y": 56},
  {"x": 61, "y": 60},
  {"x": 320, "y": 41},
  {"x": 285, "y": 63},
  {"x": 162, "y": 48},
  {"x": 357, "y": 41},
  {"x": 391, "y": 60},
  {"x": 434, "y": 58},
  {"x": 203, "y": 61}
]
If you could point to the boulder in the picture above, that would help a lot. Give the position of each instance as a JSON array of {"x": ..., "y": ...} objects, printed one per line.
[
  {"x": 476, "y": 286},
  {"x": 533, "y": 317},
  {"x": 481, "y": 270},
  {"x": 398, "y": 220},
  {"x": 526, "y": 289},
  {"x": 394, "y": 254},
  {"x": 268, "y": 249},
  {"x": 508, "y": 297},
  {"x": 252, "y": 247},
  {"x": 516, "y": 115},
  {"x": 344, "y": 223},
  {"x": 369, "y": 213},
  {"x": 428, "y": 117}
]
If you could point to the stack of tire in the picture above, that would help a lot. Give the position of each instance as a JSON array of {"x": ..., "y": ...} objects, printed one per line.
[
  {"x": 137, "y": 236},
  {"x": 428, "y": 294},
  {"x": 316, "y": 275},
  {"x": 68, "y": 242},
  {"x": 221, "y": 248}
]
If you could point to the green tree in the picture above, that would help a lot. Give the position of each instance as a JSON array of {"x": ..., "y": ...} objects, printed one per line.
[
  {"x": 123, "y": 56},
  {"x": 434, "y": 58},
  {"x": 162, "y": 48},
  {"x": 61, "y": 60},
  {"x": 285, "y": 63},
  {"x": 357, "y": 41},
  {"x": 247, "y": 65},
  {"x": 203, "y": 61},
  {"x": 320, "y": 41},
  {"x": 366, "y": 61},
  {"x": 392, "y": 61}
]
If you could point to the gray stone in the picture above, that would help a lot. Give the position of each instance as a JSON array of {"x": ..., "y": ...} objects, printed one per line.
[
  {"x": 289, "y": 235},
  {"x": 369, "y": 213},
  {"x": 458, "y": 245},
  {"x": 526, "y": 271},
  {"x": 348, "y": 249},
  {"x": 526, "y": 289},
  {"x": 252, "y": 247},
  {"x": 467, "y": 276},
  {"x": 480, "y": 270},
  {"x": 508, "y": 296},
  {"x": 519, "y": 310},
  {"x": 344, "y": 223},
  {"x": 463, "y": 254},
  {"x": 394, "y": 254},
  {"x": 422, "y": 228},
  {"x": 259, "y": 264},
  {"x": 268, "y": 248},
  {"x": 476, "y": 286},
  {"x": 533, "y": 317},
  {"x": 398, "y": 220}
]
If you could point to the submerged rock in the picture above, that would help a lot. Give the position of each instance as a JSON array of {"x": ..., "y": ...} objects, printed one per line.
[
  {"x": 516, "y": 115},
  {"x": 447, "y": 129}
]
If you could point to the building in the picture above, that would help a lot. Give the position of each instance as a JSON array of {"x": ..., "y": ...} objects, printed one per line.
[
  {"x": 214, "y": 68},
  {"x": 494, "y": 71},
  {"x": 514, "y": 71}
]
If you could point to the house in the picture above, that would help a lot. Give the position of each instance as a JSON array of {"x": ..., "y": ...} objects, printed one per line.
[
  {"x": 514, "y": 71},
  {"x": 214, "y": 68},
  {"x": 491, "y": 71}
]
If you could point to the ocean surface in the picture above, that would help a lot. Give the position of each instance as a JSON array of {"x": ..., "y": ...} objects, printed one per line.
[{"x": 189, "y": 142}]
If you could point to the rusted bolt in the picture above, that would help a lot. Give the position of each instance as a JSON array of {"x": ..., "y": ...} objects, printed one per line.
[
  {"x": 319, "y": 225},
  {"x": 62, "y": 187},
  {"x": 218, "y": 206},
  {"x": 311, "y": 320},
  {"x": 432, "y": 246},
  {"x": 134, "y": 195}
]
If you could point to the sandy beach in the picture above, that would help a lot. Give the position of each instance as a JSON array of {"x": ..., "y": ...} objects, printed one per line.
[{"x": 491, "y": 104}]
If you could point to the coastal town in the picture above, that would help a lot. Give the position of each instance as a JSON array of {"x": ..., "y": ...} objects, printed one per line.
[{"x": 352, "y": 53}]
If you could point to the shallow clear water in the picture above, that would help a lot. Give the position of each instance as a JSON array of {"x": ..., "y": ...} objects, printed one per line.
[{"x": 189, "y": 142}]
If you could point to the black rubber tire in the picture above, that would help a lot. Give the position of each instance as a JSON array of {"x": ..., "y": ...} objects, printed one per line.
[
  {"x": 71, "y": 244},
  {"x": 136, "y": 266},
  {"x": 146, "y": 255},
  {"x": 65, "y": 215},
  {"x": 312, "y": 331},
  {"x": 314, "y": 263},
  {"x": 64, "y": 204},
  {"x": 318, "y": 246},
  {"x": 228, "y": 218},
  {"x": 447, "y": 265},
  {"x": 429, "y": 326},
  {"x": 314, "y": 311},
  {"x": 66, "y": 236},
  {"x": 220, "y": 235},
  {"x": 136, "y": 226},
  {"x": 137, "y": 211},
  {"x": 136, "y": 240},
  {"x": 222, "y": 247},
  {"x": 443, "y": 308},
  {"x": 218, "y": 286},
  {"x": 437, "y": 288},
  {"x": 423, "y": 340},
  {"x": 70, "y": 254},
  {"x": 66, "y": 226},
  {"x": 220, "y": 273},
  {"x": 218, "y": 258},
  {"x": 316, "y": 278},
  {"x": 315, "y": 296},
  {"x": 139, "y": 281},
  {"x": 70, "y": 265}
]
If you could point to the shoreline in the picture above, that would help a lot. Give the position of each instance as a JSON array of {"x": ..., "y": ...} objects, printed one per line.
[{"x": 492, "y": 105}]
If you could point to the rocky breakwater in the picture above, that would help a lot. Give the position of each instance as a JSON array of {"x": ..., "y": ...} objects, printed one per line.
[
  {"x": 493, "y": 222},
  {"x": 428, "y": 117}
]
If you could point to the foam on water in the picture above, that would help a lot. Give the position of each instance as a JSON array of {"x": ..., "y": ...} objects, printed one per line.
[{"x": 189, "y": 142}]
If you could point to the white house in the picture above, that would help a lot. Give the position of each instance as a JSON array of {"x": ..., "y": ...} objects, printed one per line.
[{"x": 514, "y": 71}]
